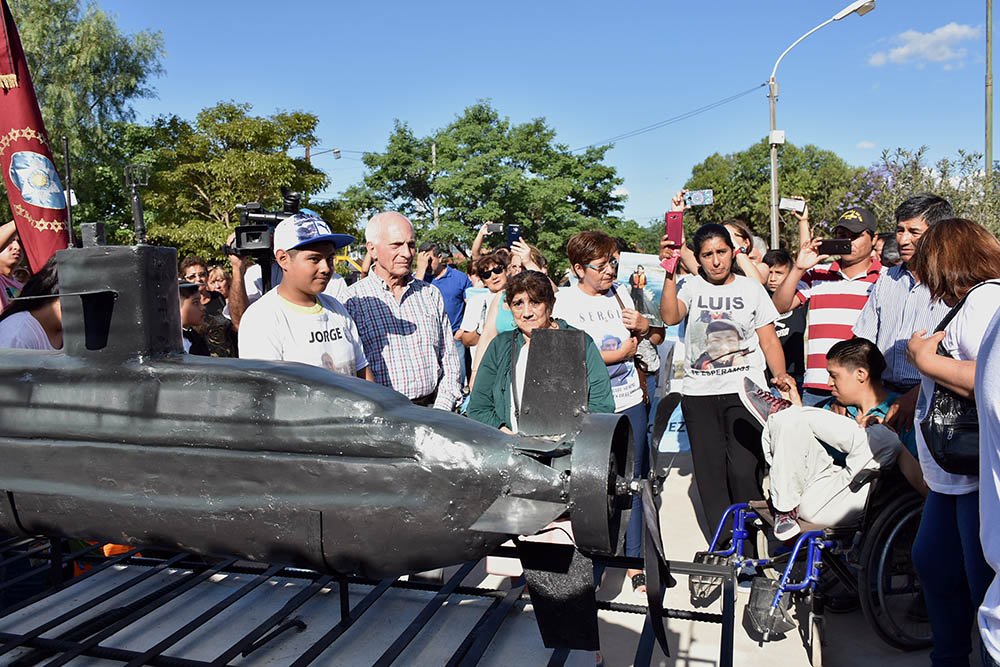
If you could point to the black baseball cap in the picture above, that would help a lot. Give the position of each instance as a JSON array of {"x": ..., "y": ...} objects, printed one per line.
[{"x": 857, "y": 220}]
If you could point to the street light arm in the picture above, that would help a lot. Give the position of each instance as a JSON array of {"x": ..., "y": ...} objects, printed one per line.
[{"x": 795, "y": 43}]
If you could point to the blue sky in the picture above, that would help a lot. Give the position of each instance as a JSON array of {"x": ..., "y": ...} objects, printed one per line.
[{"x": 907, "y": 74}]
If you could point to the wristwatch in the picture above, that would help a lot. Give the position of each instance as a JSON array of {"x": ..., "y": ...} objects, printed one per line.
[{"x": 739, "y": 250}]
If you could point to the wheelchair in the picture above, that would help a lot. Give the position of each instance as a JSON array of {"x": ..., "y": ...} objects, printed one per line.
[{"x": 866, "y": 563}]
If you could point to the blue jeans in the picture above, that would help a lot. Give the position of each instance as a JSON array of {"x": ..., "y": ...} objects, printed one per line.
[
  {"x": 638, "y": 417},
  {"x": 813, "y": 397},
  {"x": 949, "y": 559},
  {"x": 462, "y": 377}
]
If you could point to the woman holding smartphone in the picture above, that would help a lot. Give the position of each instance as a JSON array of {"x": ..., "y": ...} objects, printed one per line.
[{"x": 729, "y": 336}]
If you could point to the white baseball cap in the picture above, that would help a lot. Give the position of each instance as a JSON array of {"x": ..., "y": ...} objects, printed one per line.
[{"x": 305, "y": 228}]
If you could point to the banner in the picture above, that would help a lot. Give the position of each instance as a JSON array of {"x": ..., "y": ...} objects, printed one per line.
[{"x": 34, "y": 190}]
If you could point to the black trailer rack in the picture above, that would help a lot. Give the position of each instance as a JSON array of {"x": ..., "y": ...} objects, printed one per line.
[{"x": 28, "y": 559}]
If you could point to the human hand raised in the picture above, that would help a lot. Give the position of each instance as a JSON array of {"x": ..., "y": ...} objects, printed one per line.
[
  {"x": 677, "y": 203},
  {"x": 809, "y": 255},
  {"x": 523, "y": 250}
]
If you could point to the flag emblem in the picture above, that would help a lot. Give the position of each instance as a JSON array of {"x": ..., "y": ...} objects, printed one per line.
[{"x": 35, "y": 176}]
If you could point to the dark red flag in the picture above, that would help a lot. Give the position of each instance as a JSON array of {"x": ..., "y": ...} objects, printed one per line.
[{"x": 33, "y": 186}]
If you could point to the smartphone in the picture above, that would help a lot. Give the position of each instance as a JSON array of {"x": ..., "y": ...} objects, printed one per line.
[
  {"x": 699, "y": 198},
  {"x": 493, "y": 227},
  {"x": 513, "y": 234},
  {"x": 797, "y": 205},
  {"x": 674, "y": 228},
  {"x": 835, "y": 247}
]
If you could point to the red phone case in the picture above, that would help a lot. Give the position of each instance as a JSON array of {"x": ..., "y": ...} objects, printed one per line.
[{"x": 675, "y": 227}]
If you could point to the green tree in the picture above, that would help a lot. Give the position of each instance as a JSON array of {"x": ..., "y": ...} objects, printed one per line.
[
  {"x": 741, "y": 183},
  {"x": 902, "y": 173},
  {"x": 481, "y": 168},
  {"x": 87, "y": 73},
  {"x": 200, "y": 172}
]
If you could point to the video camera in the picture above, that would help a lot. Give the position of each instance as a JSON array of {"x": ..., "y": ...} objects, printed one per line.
[{"x": 255, "y": 233}]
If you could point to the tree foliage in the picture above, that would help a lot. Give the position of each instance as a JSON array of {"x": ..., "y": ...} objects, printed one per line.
[
  {"x": 481, "y": 168},
  {"x": 903, "y": 173},
  {"x": 87, "y": 73},
  {"x": 200, "y": 172},
  {"x": 742, "y": 186}
]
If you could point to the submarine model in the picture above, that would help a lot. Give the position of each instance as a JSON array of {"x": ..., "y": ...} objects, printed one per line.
[{"x": 120, "y": 436}]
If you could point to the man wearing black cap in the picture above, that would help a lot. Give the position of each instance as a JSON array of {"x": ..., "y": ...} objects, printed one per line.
[{"x": 836, "y": 293}]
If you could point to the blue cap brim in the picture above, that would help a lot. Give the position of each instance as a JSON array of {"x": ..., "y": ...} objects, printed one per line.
[{"x": 338, "y": 240}]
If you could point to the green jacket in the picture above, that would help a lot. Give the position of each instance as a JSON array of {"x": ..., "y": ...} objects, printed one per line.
[{"x": 490, "y": 399}]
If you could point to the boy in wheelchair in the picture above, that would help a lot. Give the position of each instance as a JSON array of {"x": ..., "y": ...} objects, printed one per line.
[{"x": 815, "y": 452}]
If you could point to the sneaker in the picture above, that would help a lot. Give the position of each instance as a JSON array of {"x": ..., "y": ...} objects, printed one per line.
[
  {"x": 760, "y": 402},
  {"x": 786, "y": 525}
]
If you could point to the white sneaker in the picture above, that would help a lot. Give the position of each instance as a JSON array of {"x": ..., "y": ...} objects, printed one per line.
[{"x": 786, "y": 525}]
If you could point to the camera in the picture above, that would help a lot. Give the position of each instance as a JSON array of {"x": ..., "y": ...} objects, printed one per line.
[{"x": 255, "y": 233}]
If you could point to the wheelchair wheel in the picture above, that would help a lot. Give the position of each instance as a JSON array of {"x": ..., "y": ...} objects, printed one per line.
[{"x": 890, "y": 592}]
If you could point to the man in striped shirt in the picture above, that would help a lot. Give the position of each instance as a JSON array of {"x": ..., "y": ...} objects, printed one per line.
[
  {"x": 402, "y": 321},
  {"x": 836, "y": 294},
  {"x": 900, "y": 304}
]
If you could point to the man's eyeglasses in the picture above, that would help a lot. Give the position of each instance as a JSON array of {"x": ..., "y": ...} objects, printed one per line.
[
  {"x": 495, "y": 271},
  {"x": 612, "y": 263},
  {"x": 193, "y": 276}
]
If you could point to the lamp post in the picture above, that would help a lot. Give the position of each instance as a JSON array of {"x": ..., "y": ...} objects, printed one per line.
[{"x": 777, "y": 137}]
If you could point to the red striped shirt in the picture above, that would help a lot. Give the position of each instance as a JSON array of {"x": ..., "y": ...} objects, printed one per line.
[{"x": 835, "y": 302}]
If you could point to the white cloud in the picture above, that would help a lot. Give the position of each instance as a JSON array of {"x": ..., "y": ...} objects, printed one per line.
[
  {"x": 865, "y": 145},
  {"x": 621, "y": 192},
  {"x": 939, "y": 46}
]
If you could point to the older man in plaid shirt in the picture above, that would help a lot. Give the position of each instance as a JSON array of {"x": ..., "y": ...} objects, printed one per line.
[{"x": 402, "y": 321}]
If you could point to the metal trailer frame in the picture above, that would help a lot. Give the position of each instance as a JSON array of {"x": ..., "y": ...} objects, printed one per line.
[{"x": 86, "y": 638}]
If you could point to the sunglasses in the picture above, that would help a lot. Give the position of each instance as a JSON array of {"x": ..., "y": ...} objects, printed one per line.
[{"x": 495, "y": 271}]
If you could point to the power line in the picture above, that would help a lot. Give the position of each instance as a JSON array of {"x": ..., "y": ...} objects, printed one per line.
[{"x": 672, "y": 119}]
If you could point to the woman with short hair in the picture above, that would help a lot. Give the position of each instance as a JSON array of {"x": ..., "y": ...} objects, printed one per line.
[{"x": 495, "y": 399}]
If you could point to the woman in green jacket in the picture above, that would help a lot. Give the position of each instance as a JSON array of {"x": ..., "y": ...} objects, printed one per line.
[{"x": 530, "y": 298}]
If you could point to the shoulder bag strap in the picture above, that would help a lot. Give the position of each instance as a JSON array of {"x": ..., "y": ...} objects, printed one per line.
[
  {"x": 954, "y": 311},
  {"x": 614, "y": 291}
]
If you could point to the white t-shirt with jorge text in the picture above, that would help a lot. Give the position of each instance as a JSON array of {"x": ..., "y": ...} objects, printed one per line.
[
  {"x": 720, "y": 339},
  {"x": 323, "y": 335}
]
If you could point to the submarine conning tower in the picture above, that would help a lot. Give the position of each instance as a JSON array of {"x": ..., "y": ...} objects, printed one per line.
[{"x": 118, "y": 301}]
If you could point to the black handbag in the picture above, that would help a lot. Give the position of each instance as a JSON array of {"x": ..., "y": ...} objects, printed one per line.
[{"x": 951, "y": 427}]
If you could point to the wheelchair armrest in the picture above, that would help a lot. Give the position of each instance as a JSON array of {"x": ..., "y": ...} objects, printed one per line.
[{"x": 866, "y": 476}]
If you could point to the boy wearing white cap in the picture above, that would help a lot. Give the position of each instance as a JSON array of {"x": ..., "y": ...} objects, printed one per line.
[{"x": 296, "y": 321}]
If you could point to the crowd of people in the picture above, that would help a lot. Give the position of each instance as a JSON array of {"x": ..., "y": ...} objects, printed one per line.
[{"x": 800, "y": 367}]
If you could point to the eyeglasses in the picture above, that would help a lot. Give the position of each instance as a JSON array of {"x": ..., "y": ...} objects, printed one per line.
[
  {"x": 612, "y": 263},
  {"x": 495, "y": 271},
  {"x": 195, "y": 275}
]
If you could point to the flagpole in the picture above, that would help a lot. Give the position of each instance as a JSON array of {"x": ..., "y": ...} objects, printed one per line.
[{"x": 69, "y": 195}]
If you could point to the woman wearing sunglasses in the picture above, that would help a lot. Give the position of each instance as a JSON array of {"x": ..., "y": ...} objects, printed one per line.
[
  {"x": 606, "y": 312},
  {"x": 492, "y": 271}
]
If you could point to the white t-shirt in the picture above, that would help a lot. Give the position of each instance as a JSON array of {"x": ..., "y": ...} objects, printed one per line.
[
  {"x": 963, "y": 337},
  {"x": 22, "y": 330},
  {"x": 519, "y": 372},
  {"x": 601, "y": 317},
  {"x": 477, "y": 305},
  {"x": 988, "y": 404},
  {"x": 255, "y": 284},
  {"x": 323, "y": 335},
  {"x": 720, "y": 336}
]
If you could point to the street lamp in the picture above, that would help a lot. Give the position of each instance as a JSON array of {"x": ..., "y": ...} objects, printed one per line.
[{"x": 777, "y": 137}]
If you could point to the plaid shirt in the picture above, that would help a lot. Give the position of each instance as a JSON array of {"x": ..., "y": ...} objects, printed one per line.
[{"x": 408, "y": 343}]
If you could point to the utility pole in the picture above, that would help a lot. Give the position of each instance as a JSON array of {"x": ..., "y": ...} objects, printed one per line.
[
  {"x": 989, "y": 95},
  {"x": 307, "y": 153},
  {"x": 434, "y": 164}
]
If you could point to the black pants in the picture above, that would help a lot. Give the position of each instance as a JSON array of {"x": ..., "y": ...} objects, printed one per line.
[{"x": 726, "y": 452}]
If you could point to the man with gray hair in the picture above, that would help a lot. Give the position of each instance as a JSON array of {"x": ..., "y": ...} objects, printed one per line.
[{"x": 402, "y": 321}]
